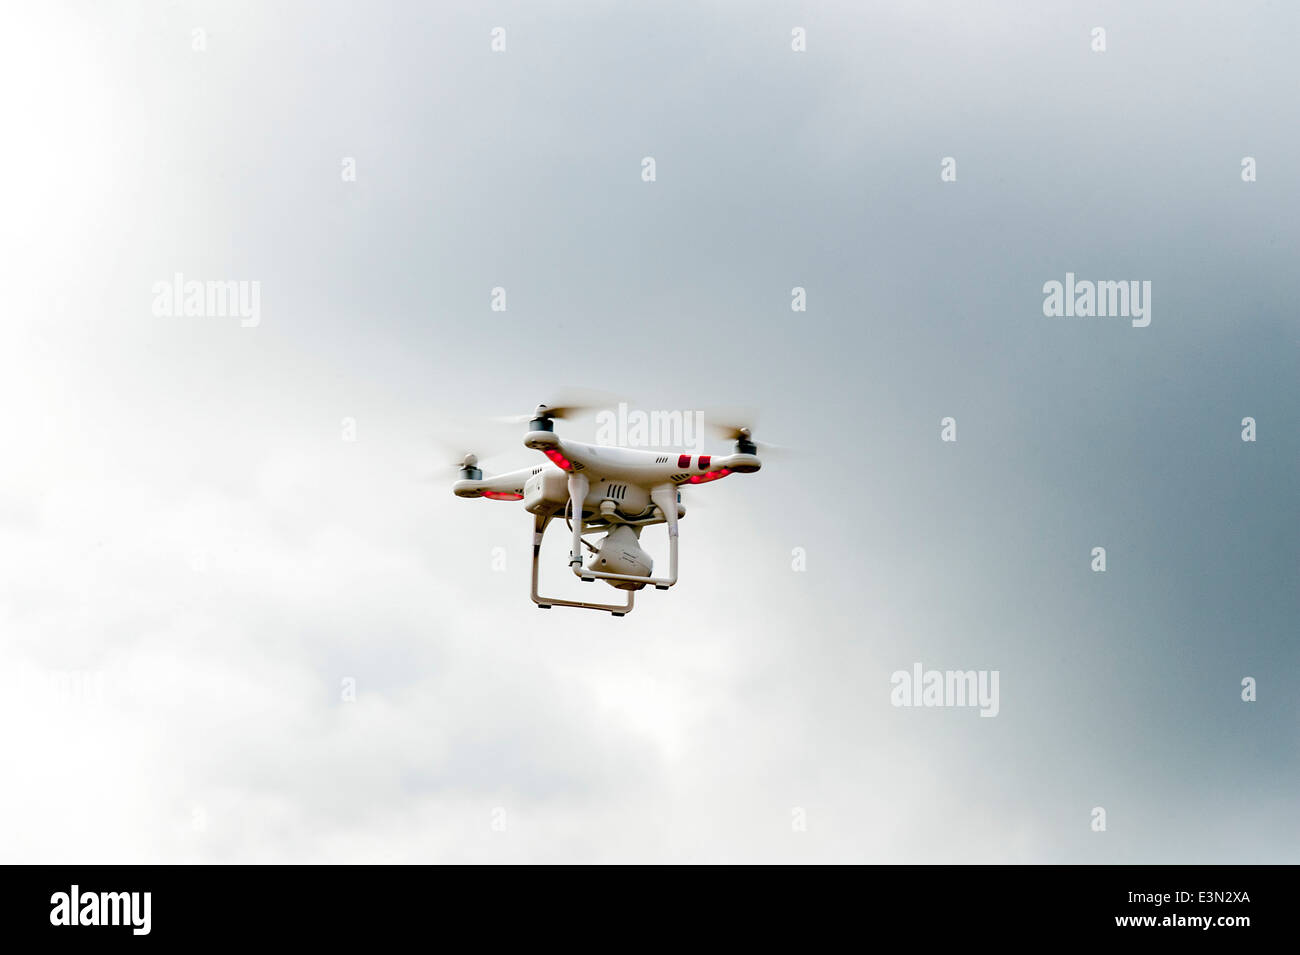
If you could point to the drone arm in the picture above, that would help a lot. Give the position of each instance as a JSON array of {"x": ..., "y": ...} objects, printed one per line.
[{"x": 498, "y": 487}]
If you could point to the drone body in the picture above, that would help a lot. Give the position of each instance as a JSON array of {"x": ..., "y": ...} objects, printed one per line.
[{"x": 596, "y": 488}]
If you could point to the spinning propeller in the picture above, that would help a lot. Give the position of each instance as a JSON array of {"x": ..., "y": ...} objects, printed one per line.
[
  {"x": 742, "y": 435},
  {"x": 462, "y": 449},
  {"x": 570, "y": 403}
]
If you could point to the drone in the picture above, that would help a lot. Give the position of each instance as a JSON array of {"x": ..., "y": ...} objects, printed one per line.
[{"x": 596, "y": 488}]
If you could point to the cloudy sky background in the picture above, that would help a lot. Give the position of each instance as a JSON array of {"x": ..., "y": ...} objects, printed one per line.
[{"x": 194, "y": 560}]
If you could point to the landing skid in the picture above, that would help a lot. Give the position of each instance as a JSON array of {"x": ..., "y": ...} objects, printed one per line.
[{"x": 539, "y": 529}]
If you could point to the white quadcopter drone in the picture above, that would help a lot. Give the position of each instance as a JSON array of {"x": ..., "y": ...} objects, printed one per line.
[{"x": 596, "y": 488}]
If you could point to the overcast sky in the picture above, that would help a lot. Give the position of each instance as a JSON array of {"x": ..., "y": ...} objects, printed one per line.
[{"x": 195, "y": 561}]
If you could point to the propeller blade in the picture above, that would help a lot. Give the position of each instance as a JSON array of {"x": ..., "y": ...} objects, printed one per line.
[
  {"x": 730, "y": 423},
  {"x": 567, "y": 403},
  {"x": 733, "y": 424},
  {"x": 455, "y": 447},
  {"x": 766, "y": 450}
]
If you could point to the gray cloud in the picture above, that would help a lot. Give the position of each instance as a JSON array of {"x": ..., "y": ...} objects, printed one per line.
[{"x": 185, "y": 537}]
